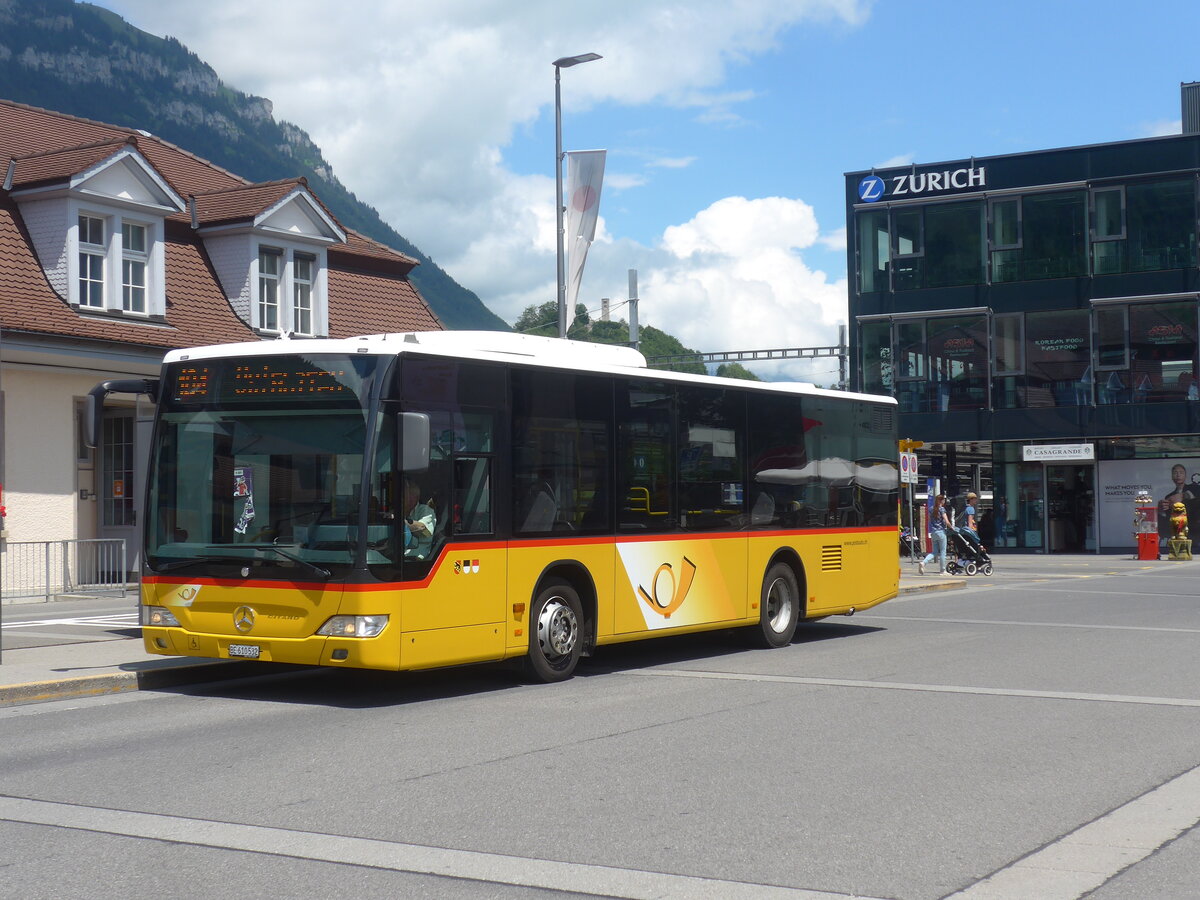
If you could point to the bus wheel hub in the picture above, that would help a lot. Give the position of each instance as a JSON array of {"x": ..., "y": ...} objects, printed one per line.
[{"x": 557, "y": 628}]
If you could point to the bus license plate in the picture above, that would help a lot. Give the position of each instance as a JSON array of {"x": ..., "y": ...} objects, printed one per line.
[{"x": 246, "y": 651}]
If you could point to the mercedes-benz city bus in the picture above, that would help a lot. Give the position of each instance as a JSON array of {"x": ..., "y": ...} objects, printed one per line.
[{"x": 406, "y": 501}]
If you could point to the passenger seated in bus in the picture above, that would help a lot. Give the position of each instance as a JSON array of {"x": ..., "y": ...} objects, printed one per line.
[{"x": 419, "y": 523}]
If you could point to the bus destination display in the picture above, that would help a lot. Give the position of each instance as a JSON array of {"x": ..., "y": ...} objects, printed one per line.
[{"x": 275, "y": 378}]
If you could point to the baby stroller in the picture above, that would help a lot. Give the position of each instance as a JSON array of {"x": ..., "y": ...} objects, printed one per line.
[{"x": 964, "y": 555}]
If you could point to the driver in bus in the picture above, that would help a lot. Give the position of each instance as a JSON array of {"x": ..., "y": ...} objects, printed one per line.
[{"x": 419, "y": 523}]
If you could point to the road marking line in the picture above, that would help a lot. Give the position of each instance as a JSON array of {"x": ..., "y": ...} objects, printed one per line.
[
  {"x": 123, "y": 620},
  {"x": 922, "y": 688},
  {"x": 493, "y": 868},
  {"x": 1083, "y": 860},
  {"x": 1029, "y": 624}
]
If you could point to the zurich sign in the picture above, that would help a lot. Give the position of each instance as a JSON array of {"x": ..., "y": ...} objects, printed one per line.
[{"x": 870, "y": 189}]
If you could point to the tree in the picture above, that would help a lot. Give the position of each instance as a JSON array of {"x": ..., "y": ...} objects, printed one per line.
[
  {"x": 736, "y": 370},
  {"x": 543, "y": 320}
]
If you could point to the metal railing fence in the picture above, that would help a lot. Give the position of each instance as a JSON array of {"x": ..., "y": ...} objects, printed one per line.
[{"x": 50, "y": 568}]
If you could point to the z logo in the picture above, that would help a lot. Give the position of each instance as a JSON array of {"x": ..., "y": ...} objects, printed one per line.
[{"x": 664, "y": 606}]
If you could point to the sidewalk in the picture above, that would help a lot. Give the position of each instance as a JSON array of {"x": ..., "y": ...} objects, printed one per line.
[{"x": 95, "y": 668}]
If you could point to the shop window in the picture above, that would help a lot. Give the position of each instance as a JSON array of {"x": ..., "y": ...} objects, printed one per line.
[
  {"x": 1057, "y": 364},
  {"x": 958, "y": 360},
  {"x": 872, "y": 251},
  {"x": 1162, "y": 352}
]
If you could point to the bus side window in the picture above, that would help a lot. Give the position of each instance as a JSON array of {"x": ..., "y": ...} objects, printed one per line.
[{"x": 472, "y": 512}]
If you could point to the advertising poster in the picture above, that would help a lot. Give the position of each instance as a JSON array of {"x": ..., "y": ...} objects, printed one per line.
[{"x": 1166, "y": 480}]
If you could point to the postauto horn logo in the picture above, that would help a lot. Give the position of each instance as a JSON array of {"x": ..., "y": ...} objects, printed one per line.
[{"x": 870, "y": 189}]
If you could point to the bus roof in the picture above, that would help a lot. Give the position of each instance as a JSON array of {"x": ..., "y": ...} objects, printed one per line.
[{"x": 496, "y": 346}]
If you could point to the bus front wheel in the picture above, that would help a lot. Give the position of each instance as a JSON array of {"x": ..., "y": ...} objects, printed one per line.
[
  {"x": 779, "y": 607},
  {"x": 555, "y": 633}
]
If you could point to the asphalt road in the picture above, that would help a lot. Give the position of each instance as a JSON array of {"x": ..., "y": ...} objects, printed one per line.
[{"x": 1034, "y": 736}]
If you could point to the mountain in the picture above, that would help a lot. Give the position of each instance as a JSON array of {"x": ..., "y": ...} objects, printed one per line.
[{"x": 82, "y": 60}]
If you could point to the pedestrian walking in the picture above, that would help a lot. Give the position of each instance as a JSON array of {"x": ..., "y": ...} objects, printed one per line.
[{"x": 938, "y": 523}]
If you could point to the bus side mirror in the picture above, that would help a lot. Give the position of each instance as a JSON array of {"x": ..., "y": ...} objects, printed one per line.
[
  {"x": 95, "y": 402},
  {"x": 414, "y": 436}
]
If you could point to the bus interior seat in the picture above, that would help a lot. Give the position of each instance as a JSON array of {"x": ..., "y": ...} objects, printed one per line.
[
  {"x": 541, "y": 511},
  {"x": 763, "y": 511}
]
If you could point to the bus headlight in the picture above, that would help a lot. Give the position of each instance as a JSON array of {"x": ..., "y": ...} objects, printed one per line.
[
  {"x": 159, "y": 616},
  {"x": 353, "y": 626}
]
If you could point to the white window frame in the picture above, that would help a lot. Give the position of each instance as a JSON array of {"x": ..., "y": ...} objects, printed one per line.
[
  {"x": 289, "y": 289},
  {"x": 91, "y": 254},
  {"x": 302, "y": 292},
  {"x": 113, "y": 256},
  {"x": 269, "y": 283},
  {"x": 134, "y": 261}
]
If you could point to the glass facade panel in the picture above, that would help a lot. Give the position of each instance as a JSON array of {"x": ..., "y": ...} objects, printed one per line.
[
  {"x": 1052, "y": 238},
  {"x": 877, "y": 357},
  {"x": 1057, "y": 365},
  {"x": 908, "y": 245},
  {"x": 1111, "y": 326},
  {"x": 1008, "y": 362},
  {"x": 958, "y": 362},
  {"x": 1162, "y": 351},
  {"x": 1006, "y": 223},
  {"x": 954, "y": 244},
  {"x": 911, "y": 387},
  {"x": 1162, "y": 225},
  {"x": 873, "y": 251}
]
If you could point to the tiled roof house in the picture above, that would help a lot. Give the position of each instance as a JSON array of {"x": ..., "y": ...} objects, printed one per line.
[{"x": 116, "y": 246}]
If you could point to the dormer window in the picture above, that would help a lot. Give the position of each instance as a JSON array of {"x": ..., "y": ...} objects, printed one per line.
[
  {"x": 96, "y": 215},
  {"x": 269, "y": 246},
  {"x": 120, "y": 264},
  {"x": 288, "y": 291}
]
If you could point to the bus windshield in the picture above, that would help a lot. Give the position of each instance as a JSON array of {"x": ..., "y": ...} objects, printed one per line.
[{"x": 260, "y": 461}]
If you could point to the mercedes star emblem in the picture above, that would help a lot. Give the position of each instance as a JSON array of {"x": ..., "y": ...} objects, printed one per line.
[{"x": 243, "y": 618}]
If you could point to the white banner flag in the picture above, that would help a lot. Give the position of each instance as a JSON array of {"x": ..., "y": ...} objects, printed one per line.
[{"x": 585, "y": 174}]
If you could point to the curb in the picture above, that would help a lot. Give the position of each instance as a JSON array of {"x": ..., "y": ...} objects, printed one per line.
[
  {"x": 122, "y": 682},
  {"x": 949, "y": 584}
]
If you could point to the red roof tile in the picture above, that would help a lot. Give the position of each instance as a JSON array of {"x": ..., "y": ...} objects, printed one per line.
[{"x": 61, "y": 165}]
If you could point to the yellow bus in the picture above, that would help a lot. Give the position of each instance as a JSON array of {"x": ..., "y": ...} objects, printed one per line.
[{"x": 409, "y": 501}]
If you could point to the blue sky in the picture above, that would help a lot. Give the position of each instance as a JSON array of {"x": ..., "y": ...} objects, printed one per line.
[{"x": 729, "y": 125}]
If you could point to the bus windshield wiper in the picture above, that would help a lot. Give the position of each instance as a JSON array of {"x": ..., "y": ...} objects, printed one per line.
[{"x": 319, "y": 571}]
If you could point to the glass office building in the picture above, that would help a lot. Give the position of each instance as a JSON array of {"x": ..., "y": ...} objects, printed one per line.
[{"x": 1036, "y": 317}]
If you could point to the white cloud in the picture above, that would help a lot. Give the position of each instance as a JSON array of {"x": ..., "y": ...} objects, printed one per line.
[
  {"x": 904, "y": 159},
  {"x": 414, "y": 102},
  {"x": 1161, "y": 128},
  {"x": 671, "y": 162}
]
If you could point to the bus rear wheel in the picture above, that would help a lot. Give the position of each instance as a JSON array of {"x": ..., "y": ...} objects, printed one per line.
[
  {"x": 778, "y": 608},
  {"x": 555, "y": 633}
]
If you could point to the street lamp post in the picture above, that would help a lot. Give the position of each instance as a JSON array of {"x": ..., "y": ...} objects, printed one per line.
[{"x": 565, "y": 63}]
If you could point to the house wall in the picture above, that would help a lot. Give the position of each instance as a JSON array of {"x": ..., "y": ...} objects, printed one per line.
[{"x": 42, "y": 478}]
